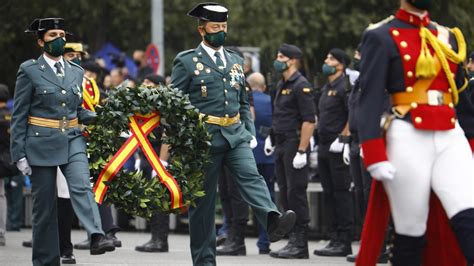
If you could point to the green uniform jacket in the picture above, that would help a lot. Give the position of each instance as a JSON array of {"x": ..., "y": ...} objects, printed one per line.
[
  {"x": 40, "y": 93},
  {"x": 217, "y": 92}
]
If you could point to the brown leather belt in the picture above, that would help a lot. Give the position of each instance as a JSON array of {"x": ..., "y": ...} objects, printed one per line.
[
  {"x": 52, "y": 123},
  {"x": 221, "y": 121},
  {"x": 430, "y": 97}
]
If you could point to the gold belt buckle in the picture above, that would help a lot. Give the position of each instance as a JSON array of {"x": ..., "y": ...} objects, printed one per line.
[
  {"x": 63, "y": 124},
  {"x": 435, "y": 97}
]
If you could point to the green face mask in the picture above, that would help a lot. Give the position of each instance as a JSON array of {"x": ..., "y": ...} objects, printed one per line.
[
  {"x": 421, "y": 4},
  {"x": 471, "y": 74},
  {"x": 216, "y": 39},
  {"x": 76, "y": 61},
  {"x": 280, "y": 66},
  {"x": 328, "y": 70},
  {"x": 55, "y": 47}
]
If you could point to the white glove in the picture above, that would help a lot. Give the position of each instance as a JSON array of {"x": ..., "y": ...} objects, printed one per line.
[
  {"x": 382, "y": 170},
  {"x": 253, "y": 143},
  {"x": 345, "y": 154},
  {"x": 313, "y": 158},
  {"x": 269, "y": 148},
  {"x": 23, "y": 166},
  {"x": 125, "y": 135},
  {"x": 336, "y": 146},
  {"x": 300, "y": 160},
  {"x": 164, "y": 163}
]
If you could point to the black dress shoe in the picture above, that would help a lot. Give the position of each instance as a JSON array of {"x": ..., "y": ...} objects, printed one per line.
[
  {"x": 100, "y": 244},
  {"x": 111, "y": 235},
  {"x": 154, "y": 245},
  {"x": 383, "y": 258},
  {"x": 234, "y": 247},
  {"x": 351, "y": 258},
  {"x": 264, "y": 251},
  {"x": 27, "y": 244},
  {"x": 220, "y": 239},
  {"x": 84, "y": 245},
  {"x": 338, "y": 249},
  {"x": 278, "y": 227},
  {"x": 68, "y": 259}
]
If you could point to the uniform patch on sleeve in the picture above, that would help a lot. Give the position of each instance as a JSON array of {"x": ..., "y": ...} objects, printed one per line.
[{"x": 306, "y": 90}]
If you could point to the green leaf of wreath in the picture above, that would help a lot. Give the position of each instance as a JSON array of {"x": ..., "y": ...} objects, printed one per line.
[{"x": 185, "y": 132}]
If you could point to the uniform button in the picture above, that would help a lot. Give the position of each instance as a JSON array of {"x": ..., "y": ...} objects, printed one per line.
[
  {"x": 409, "y": 74},
  {"x": 418, "y": 120},
  {"x": 395, "y": 32},
  {"x": 224, "y": 79},
  {"x": 44, "y": 91},
  {"x": 62, "y": 129},
  {"x": 451, "y": 105},
  {"x": 453, "y": 120},
  {"x": 226, "y": 116},
  {"x": 202, "y": 81},
  {"x": 226, "y": 102},
  {"x": 64, "y": 118},
  {"x": 36, "y": 133},
  {"x": 414, "y": 105},
  {"x": 409, "y": 89},
  {"x": 63, "y": 104},
  {"x": 63, "y": 92},
  {"x": 403, "y": 44},
  {"x": 407, "y": 57},
  {"x": 450, "y": 90},
  {"x": 225, "y": 91}
]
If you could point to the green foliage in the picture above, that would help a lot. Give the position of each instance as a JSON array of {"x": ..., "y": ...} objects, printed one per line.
[
  {"x": 315, "y": 26},
  {"x": 185, "y": 133}
]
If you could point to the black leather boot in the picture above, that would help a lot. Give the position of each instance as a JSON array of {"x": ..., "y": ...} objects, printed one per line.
[
  {"x": 154, "y": 245},
  {"x": 100, "y": 244},
  {"x": 407, "y": 250},
  {"x": 299, "y": 250},
  {"x": 289, "y": 245},
  {"x": 234, "y": 244},
  {"x": 463, "y": 227},
  {"x": 280, "y": 225},
  {"x": 111, "y": 235}
]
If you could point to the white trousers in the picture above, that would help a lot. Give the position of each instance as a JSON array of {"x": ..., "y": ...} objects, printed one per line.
[{"x": 427, "y": 160}]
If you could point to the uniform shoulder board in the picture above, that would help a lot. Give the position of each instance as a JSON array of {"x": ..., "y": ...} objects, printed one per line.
[
  {"x": 29, "y": 63},
  {"x": 373, "y": 26},
  {"x": 184, "y": 53},
  {"x": 233, "y": 53},
  {"x": 76, "y": 65}
]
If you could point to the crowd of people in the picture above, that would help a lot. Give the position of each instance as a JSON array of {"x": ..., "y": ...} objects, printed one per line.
[{"x": 387, "y": 126}]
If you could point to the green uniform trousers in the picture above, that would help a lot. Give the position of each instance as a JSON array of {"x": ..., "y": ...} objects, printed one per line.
[
  {"x": 241, "y": 163},
  {"x": 45, "y": 223}
]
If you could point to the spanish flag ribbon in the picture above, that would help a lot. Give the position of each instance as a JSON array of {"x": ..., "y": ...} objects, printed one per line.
[
  {"x": 140, "y": 132},
  {"x": 91, "y": 94}
]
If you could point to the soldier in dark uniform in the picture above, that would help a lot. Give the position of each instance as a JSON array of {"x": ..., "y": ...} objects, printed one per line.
[
  {"x": 213, "y": 78},
  {"x": 292, "y": 127},
  {"x": 44, "y": 135},
  {"x": 423, "y": 150},
  {"x": 333, "y": 137}
]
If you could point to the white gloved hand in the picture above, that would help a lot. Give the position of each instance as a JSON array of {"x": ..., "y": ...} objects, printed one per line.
[
  {"x": 23, "y": 166},
  {"x": 382, "y": 170},
  {"x": 300, "y": 160},
  {"x": 345, "y": 154},
  {"x": 336, "y": 146},
  {"x": 126, "y": 134},
  {"x": 164, "y": 163},
  {"x": 253, "y": 143},
  {"x": 269, "y": 148}
]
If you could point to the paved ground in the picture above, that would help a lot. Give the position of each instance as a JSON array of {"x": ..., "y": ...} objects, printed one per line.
[{"x": 14, "y": 254}]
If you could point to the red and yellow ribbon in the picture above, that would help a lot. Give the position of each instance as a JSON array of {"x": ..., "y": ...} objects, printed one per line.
[
  {"x": 91, "y": 94},
  {"x": 140, "y": 132}
]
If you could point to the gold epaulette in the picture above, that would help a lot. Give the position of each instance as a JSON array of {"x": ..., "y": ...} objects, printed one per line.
[{"x": 380, "y": 23}]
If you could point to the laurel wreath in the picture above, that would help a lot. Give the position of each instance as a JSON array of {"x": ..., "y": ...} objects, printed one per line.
[{"x": 186, "y": 134}]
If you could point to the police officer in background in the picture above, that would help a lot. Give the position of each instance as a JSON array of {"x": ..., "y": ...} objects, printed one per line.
[
  {"x": 333, "y": 134},
  {"x": 45, "y": 135},
  {"x": 292, "y": 127},
  {"x": 213, "y": 77}
]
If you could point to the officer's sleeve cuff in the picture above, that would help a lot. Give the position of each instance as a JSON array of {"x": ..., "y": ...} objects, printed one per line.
[
  {"x": 374, "y": 151},
  {"x": 471, "y": 143}
]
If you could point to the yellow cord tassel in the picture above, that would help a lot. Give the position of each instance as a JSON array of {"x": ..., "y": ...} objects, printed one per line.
[{"x": 425, "y": 64}]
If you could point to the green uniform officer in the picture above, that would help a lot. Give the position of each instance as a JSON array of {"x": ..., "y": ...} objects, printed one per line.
[
  {"x": 213, "y": 77},
  {"x": 45, "y": 135}
]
